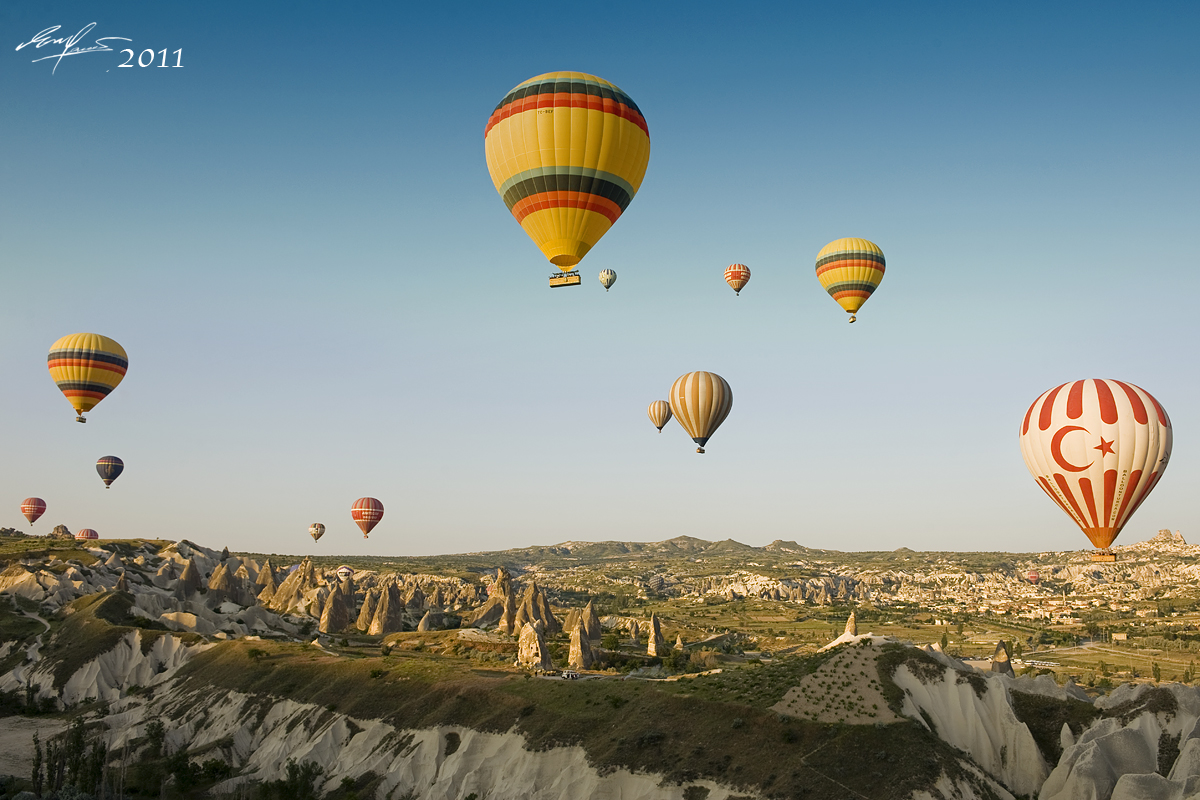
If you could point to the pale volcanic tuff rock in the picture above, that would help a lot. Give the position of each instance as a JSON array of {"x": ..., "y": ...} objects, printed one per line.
[
  {"x": 1001, "y": 662},
  {"x": 415, "y": 601},
  {"x": 335, "y": 616},
  {"x": 190, "y": 581},
  {"x": 531, "y": 647},
  {"x": 413, "y": 763},
  {"x": 635, "y": 632},
  {"x": 433, "y": 620},
  {"x": 508, "y": 620},
  {"x": 367, "y": 613},
  {"x": 581, "y": 656},
  {"x": 655, "y": 644},
  {"x": 389, "y": 612},
  {"x": 851, "y": 625}
]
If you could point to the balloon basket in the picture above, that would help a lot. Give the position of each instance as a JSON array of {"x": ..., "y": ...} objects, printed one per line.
[
  {"x": 1104, "y": 556},
  {"x": 853, "y": 318},
  {"x": 699, "y": 450},
  {"x": 565, "y": 279},
  {"x": 80, "y": 418}
]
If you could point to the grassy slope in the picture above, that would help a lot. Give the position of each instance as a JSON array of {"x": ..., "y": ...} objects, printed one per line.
[{"x": 687, "y": 729}]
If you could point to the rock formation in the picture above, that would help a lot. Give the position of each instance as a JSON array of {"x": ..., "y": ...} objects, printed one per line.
[
  {"x": 851, "y": 625},
  {"x": 190, "y": 580},
  {"x": 581, "y": 650},
  {"x": 415, "y": 600},
  {"x": 335, "y": 616},
  {"x": 635, "y": 633},
  {"x": 1000, "y": 661},
  {"x": 266, "y": 575},
  {"x": 389, "y": 612},
  {"x": 290, "y": 594},
  {"x": 122, "y": 584},
  {"x": 655, "y": 645},
  {"x": 432, "y": 621},
  {"x": 535, "y": 607},
  {"x": 679, "y": 642},
  {"x": 367, "y": 613},
  {"x": 531, "y": 647},
  {"x": 508, "y": 621},
  {"x": 591, "y": 622}
]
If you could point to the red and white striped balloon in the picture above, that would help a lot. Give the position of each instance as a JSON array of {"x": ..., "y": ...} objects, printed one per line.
[
  {"x": 86, "y": 534},
  {"x": 737, "y": 276},
  {"x": 32, "y": 508},
  {"x": 366, "y": 511},
  {"x": 1097, "y": 448}
]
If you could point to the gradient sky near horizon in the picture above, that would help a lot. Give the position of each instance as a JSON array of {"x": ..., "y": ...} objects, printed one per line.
[{"x": 296, "y": 240}]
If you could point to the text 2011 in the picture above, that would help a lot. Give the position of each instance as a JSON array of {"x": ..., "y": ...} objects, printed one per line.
[{"x": 142, "y": 61}]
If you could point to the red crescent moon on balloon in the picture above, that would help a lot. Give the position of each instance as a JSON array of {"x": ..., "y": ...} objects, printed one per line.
[{"x": 1056, "y": 448}]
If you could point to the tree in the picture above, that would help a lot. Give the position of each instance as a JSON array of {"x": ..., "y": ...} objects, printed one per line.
[
  {"x": 37, "y": 765},
  {"x": 1155, "y": 671},
  {"x": 945, "y": 641}
]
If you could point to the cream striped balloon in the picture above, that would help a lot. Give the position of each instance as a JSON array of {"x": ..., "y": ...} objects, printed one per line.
[
  {"x": 701, "y": 401},
  {"x": 607, "y": 278},
  {"x": 659, "y": 413}
]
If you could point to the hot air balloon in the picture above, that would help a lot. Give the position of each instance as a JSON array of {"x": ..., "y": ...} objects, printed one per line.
[
  {"x": 737, "y": 276},
  {"x": 659, "y": 413},
  {"x": 607, "y": 278},
  {"x": 109, "y": 468},
  {"x": 701, "y": 401},
  {"x": 32, "y": 508},
  {"x": 1097, "y": 448},
  {"x": 86, "y": 367},
  {"x": 86, "y": 533},
  {"x": 366, "y": 511},
  {"x": 316, "y": 530},
  {"x": 344, "y": 573},
  {"x": 850, "y": 269},
  {"x": 1033, "y": 577},
  {"x": 567, "y": 151}
]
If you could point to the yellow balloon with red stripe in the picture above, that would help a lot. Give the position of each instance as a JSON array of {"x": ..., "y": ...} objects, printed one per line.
[
  {"x": 86, "y": 367},
  {"x": 567, "y": 151},
  {"x": 850, "y": 270}
]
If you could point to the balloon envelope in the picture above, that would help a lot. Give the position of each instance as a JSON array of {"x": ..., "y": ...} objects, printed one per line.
[
  {"x": 32, "y": 508},
  {"x": 110, "y": 468},
  {"x": 607, "y": 278},
  {"x": 567, "y": 151},
  {"x": 1097, "y": 448},
  {"x": 316, "y": 531},
  {"x": 344, "y": 572},
  {"x": 366, "y": 511},
  {"x": 87, "y": 533},
  {"x": 659, "y": 413},
  {"x": 86, "y": 367},
  {"x": 701, "y": 401},
  {"x": 737, "y": 276},
  {"x": 850, "y": 270}
]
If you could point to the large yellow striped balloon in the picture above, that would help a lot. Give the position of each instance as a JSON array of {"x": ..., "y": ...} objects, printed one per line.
[
  {"x": 701, "y": 401},
  {"x": 86, "y": 367},
  {"x": 850, "y": 269},
  {"x": 567, "y": 151}
]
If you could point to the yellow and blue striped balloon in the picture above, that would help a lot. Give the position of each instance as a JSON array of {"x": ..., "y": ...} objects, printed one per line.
[
  {"x": 86, "y": 367},
  {"x": 850, "y": 270},
  {"x": 567, "y": 151}
]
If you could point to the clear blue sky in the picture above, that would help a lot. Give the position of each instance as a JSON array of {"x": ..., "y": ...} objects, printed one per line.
[{"x": 296, "y": 239}]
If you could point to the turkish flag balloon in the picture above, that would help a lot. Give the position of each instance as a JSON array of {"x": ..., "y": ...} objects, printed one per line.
[{"x": 1097, "y": 448}]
